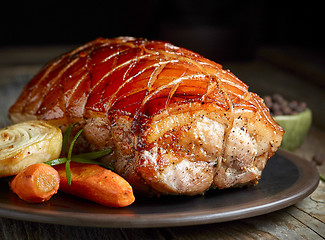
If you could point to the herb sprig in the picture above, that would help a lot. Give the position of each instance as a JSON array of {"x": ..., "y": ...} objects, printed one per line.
[{"x": 79, "y": 158}]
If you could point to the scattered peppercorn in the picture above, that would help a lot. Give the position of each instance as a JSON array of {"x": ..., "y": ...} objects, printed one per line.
[{"x": 280, "y": 106}]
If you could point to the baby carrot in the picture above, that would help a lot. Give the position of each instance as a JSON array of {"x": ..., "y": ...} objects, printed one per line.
[
  {"x": 97, "y": 184},
  {"x": 36, "y": 183}
]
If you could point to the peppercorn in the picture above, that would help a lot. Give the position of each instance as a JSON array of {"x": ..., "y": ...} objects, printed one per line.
[{"x": 278, "y": 105}]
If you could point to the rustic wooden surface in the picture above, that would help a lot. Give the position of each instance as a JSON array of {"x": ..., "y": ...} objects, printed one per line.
[{"x": 304, "y": 220}]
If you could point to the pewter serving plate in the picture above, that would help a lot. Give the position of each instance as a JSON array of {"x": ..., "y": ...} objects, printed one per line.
[{"x": 286, "y": 180}]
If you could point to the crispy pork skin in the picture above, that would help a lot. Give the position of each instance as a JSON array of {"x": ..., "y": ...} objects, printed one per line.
[{"x": 178, "y": 123}]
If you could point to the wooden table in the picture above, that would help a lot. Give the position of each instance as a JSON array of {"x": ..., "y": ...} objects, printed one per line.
[{"x": 304, "y": 220}]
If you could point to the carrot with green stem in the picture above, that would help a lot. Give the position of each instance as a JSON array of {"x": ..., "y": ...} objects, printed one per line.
[{"x": 36, "y": 183}]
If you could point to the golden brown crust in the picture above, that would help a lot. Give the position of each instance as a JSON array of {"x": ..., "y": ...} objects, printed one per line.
[
  {"x": 133, "y": 77},
  {"x": 177, "y": 122}
]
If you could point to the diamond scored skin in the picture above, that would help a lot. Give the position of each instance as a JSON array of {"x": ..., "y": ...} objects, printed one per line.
[{"x": 177, "y": 122}]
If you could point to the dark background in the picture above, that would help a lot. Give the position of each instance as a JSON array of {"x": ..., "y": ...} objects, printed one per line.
[{"x": 219, "y": 30}]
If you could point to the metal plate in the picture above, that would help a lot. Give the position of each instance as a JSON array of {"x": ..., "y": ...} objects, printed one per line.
[{"x": 286, "y": 180}]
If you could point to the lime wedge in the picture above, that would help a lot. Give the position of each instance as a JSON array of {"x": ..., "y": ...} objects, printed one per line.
[{"x": 296, "y": 128}]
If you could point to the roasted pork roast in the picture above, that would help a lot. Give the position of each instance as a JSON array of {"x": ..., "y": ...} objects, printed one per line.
[{"x": 177, "y": 122}]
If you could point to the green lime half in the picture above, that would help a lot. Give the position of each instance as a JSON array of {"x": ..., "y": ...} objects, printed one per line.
[{"x": 296, "y": 128}]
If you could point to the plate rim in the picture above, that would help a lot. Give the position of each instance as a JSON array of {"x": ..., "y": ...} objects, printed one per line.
[{"x": 291, "y": 196}]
